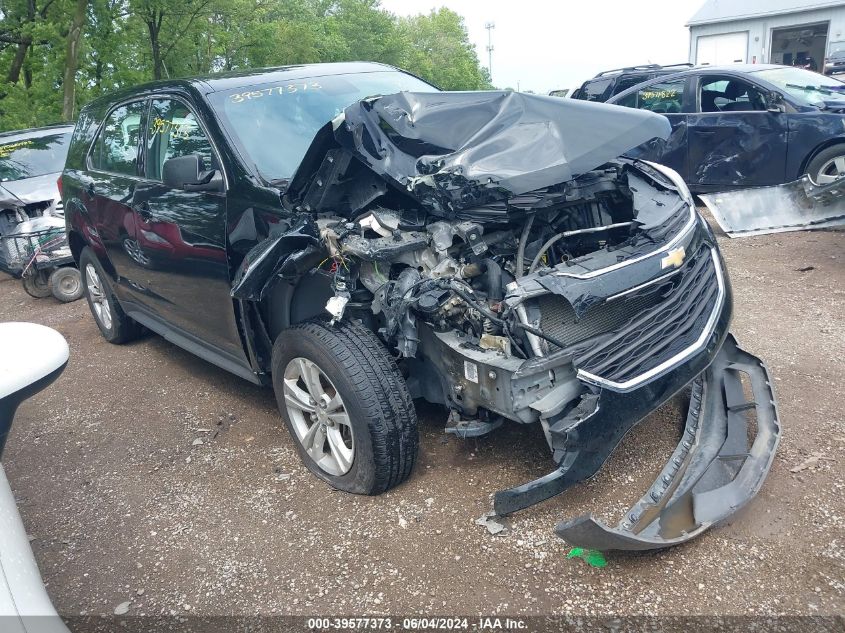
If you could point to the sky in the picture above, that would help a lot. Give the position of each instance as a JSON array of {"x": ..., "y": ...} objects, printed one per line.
[{"x": 542, "y": 45}]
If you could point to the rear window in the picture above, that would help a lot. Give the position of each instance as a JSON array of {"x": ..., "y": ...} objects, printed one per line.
[
  {"x": 594, "y": 90},
  {"x": 629, "y": 81},
  {"x": 27, "y": 157}
]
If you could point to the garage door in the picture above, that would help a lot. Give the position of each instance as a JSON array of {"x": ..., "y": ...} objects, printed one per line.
[{"x": 726, "y": 48}]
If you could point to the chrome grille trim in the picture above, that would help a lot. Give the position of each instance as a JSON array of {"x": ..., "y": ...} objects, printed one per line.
[{"x": 680, "y": 357}]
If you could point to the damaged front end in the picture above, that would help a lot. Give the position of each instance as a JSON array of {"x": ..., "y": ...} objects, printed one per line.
[{"x": 523, "y": 271}]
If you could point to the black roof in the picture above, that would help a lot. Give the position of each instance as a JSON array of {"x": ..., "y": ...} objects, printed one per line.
[{"x": 235, "y": 79}]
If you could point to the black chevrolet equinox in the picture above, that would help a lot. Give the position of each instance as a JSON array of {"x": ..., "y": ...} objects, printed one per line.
[{"x": 359, "y": 239}]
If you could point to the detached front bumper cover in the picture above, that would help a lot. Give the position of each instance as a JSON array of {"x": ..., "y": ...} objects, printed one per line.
[{"x": 713, "y": 471}]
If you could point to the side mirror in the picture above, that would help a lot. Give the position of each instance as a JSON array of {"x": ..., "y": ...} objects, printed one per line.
[
  {"x": 775, "y": 102},
  {"x": 185, "y": 172}
]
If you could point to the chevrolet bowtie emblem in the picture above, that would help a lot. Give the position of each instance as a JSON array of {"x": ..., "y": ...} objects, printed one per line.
[{"x": 674, "y": 258}]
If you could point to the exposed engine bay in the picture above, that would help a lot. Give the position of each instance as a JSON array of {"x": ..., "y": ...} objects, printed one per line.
[
  {"x": 520, "y": 269},
  {"x": 448, "y": 295}
]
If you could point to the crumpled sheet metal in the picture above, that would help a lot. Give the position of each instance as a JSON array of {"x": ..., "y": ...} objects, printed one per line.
[
  {"x": 794, "y": 206},
  {"x": 711, "y": 474},
  {"x": 455, "y": 150},
  {"x": 266, "y": 261}
]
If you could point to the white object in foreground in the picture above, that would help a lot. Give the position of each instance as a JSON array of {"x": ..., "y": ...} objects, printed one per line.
[{"x": 31, "y": 357}]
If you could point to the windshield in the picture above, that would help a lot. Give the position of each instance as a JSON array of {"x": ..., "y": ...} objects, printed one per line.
[
  {"x": 275, "y": 122},
  {"x": 33, "y": 156},
  {"x": 804, "y": 85}
]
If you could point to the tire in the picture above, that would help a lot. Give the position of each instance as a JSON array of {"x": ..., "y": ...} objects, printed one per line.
[
  {"x": 114, "y": 325},
  {"x": 827, "y": 164},
  {"x": 381, "y": 423},
  {"x": 36, "y": 284},
  {"x": 66, "y": 284}
]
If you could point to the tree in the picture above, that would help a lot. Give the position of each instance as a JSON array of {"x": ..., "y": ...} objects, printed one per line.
[
  {"x": 56, "y": 55},
  {"x": 74, "y": 39},
  {"x": 440, "y": 51}
]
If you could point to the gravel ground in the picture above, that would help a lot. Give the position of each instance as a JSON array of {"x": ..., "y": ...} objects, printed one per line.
[{"x": 147, "y": 475}]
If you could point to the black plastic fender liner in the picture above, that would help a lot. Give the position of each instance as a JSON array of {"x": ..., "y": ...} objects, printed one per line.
[
  {"x": 713, "y": 471},
  {"x": 267, "y": 260}
]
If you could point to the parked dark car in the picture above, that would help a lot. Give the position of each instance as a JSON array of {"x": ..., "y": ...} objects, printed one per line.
[
  {"x": 834, "y": 63},
  {"x": 611, "y": 82},
  {"x": 486, "y": 251},
  {"x": 746, "y": 125}
]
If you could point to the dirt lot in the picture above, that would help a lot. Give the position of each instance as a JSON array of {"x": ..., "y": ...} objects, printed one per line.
[{"x": 125, "y": 504}]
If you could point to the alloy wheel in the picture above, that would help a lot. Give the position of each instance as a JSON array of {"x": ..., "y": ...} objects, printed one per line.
[
  {"x": 319, "y": 416},
  {"x": 97, "y": 294},
  {"x": 831, "y": 170}
]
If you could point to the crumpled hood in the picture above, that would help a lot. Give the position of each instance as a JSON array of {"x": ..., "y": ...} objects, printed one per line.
[
  {"x": 452, "y": 150},
  {"x": 14, "y": 193}
]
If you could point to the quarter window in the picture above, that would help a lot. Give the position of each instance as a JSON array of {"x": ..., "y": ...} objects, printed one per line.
[
  {"x": 173, "y": 132},
  {"x": 116, "y": 149}
]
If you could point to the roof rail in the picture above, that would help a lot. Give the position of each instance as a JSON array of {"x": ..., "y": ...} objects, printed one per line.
[{"x": 644, "y": 67}]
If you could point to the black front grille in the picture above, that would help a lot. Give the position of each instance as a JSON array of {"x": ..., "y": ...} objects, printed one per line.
[
  {"x": 557, "y": 317},
  {"x": 622, "y": 339}
]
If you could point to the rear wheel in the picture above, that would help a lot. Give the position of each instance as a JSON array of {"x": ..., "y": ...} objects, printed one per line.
[
  {"x": 828, "y": 165},
  {"x": 36, "y": 283},
  {"x": 346, "y": 405},
  {"x": 66, "y": 284},
  {"x": 114, "y": 325}
]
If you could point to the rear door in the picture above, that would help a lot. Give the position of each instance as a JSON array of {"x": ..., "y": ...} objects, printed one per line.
[
  {"x": 113, "y": 170},
  {"x": 733, "y": 138},
  {"x": 670, "y": 98},
  {"x": 182, "y": 234}
]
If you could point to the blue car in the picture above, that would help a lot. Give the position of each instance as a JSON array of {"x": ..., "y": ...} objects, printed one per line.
[{"x": 746, "y": 125}]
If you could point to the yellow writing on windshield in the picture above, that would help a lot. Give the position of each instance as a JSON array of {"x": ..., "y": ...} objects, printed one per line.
[
  {"x": 7, "y": 149},
  {"x": 240, "y": 97}
]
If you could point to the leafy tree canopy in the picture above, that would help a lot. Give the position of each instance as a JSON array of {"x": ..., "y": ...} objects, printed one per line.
[{"x": 56, "y": 55}]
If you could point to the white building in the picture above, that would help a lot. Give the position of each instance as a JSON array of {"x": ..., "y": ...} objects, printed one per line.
[{"x": 766, "y": 31}]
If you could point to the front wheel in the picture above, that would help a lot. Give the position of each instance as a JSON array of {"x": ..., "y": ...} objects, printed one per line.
[
  {"x": 346, "y": 405},
  {"x": 828, "y": 165}
]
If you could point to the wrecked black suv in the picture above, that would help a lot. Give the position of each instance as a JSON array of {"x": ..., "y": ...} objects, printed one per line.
[{"x": 487, "y": 251}]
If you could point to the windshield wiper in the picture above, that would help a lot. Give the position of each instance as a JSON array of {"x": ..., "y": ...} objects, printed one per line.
[
  {"x": 808, "y": 87},
  {"x": 282, "y": 183}
]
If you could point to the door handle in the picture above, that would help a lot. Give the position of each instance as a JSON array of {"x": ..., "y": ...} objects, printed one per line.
[{"x": 705, "y": 132}]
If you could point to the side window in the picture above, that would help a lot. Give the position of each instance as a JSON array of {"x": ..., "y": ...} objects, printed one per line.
[
  {"x": 726, "y": 94},
  {"x": 116, "y": 149},
  {"x": 665, "y": 97},
  {"x": 628, "y": 101},
  {"x": 173, "y": 132}
]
